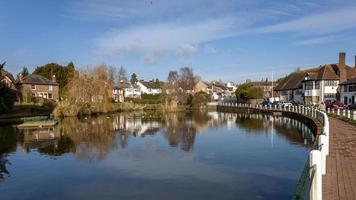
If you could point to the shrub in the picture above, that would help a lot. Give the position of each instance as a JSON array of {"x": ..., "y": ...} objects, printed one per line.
[
  {"x": 7, "y": 98},
  {"x": 247, "y": 91},
  {"x": 146, "y": 96},
  {"x": 200, "y": 99}
]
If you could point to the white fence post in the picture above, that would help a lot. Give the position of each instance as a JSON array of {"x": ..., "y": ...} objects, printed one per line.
[
  {"x": 315, "y": 165},
  {"x": 348, "y": 114},
  {"x": 322, "y": 145}
]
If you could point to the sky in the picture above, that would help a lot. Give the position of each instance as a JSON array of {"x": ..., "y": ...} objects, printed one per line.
[{"x": 229, "y": 40}]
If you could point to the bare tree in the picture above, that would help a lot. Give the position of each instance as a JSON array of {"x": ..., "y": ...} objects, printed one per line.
[
  {"x": 172, "y": 77},
  {"x": 122, "y": 74},
  {"x": 186, "y": 78},
  {"x": 111, "y": 74}
]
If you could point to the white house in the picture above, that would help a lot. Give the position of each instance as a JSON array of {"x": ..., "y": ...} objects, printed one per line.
[
  {"x": 149, "y": 87},
  {"x": 319, "y": 84},
  {"x": 348, "y": 91}
]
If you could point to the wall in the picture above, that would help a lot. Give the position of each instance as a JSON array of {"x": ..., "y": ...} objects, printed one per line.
[{"x": 26, "y": 89}]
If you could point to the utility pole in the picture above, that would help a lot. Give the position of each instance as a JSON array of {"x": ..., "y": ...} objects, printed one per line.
[{"x": 272, "y": 86}]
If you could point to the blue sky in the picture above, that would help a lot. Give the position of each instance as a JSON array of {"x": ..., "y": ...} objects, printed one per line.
[{"x": 231, "y": 40}]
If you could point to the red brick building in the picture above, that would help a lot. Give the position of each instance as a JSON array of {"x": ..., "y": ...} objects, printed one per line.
[{"x": 37, "y": 86}]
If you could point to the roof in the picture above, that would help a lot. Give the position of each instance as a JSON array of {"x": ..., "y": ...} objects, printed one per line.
[
  {"x": 324, "y": 72},
  {"x": 37, "y": 80},
  {"x": 350, "y": 81},
  {"x": 294, "y": 80},
  {"x": 7, "y": 74},
  {"x": 122, "y": 86},
  {"x": 150, "y": 84}
]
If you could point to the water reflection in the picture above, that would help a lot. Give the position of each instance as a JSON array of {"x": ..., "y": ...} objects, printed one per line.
[
  {"x": 8, "y": 142},
  {"x": 94, "y": 138}
]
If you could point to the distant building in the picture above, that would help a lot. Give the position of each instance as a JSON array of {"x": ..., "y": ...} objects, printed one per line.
[
  {"x": 348, "y": 91},
  {"x": 265, "y": 85},
  {"x": 6, "y": 78},
  {"x": 149, "y": 87},
  {"x": 200, "y": 86},
  {"x": 37, "y": 86}
]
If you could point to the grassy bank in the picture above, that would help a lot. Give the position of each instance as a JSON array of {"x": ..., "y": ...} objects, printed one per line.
[{"x": 345, "y": 119}]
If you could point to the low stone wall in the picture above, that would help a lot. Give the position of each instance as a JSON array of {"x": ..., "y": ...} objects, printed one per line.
[{"x": 312, "y": 124}]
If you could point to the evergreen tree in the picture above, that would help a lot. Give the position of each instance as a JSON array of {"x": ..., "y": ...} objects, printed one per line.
[
  {"x": 133, "y": 79},
  {"x": 24, "y": 72}
]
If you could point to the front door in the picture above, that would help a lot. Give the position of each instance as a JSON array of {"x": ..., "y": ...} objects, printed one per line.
[
  {"x": 345, "y": 100},
  {"x": 353, "y": 100}
]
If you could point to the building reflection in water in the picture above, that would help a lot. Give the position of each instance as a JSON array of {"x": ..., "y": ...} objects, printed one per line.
[{"x": 94, "y": 138}]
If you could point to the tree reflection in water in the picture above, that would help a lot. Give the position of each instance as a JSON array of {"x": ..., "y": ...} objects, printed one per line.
[
  {"x": 94, "y": 138},
  {"x": 8, "y": 142}
]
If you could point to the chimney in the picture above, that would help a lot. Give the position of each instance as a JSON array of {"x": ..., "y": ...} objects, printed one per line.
[
  {"x": 54, "y": 78},
  {"x": 342, "y": 67}
]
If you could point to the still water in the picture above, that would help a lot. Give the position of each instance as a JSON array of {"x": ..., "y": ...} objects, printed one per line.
[{"x": 165, "y": 156}]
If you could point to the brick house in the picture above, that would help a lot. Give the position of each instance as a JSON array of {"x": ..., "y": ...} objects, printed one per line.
[
  {"x": 6, "y": 78},
  {"x": 37, "y": 86}
]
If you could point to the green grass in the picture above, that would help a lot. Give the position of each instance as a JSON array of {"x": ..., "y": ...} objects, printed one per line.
[{"x": 345, "y": 119}]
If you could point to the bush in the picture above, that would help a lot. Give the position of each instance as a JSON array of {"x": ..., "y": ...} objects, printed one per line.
[
  {"x": 146, "y": 96},
  {"x": 8, "y": 97},
  {"x": 247, "y": 91},
  {"x": 144, "y": 101},
  {"x": 200, "y": 99}
]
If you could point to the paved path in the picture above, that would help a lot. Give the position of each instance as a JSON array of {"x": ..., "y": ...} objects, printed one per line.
[{"x": 340, "y": 179}]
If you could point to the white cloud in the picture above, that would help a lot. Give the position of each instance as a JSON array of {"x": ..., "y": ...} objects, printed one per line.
[
  {"x": 152, "y": 39},
  {"x": 187, "y": 50},
  {"x": 326, "y": 22},
  {"x": 314, "y": 41}
]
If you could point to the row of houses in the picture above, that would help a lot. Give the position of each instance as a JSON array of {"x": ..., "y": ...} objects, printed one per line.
[
  {"x": 30, "y": 86},
  {"x": 215, "y": 89},
  {"x": 326, "y": 83}
]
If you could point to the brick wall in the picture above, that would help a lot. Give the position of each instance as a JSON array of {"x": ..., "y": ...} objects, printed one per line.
[{"x": 26, "y": 89}]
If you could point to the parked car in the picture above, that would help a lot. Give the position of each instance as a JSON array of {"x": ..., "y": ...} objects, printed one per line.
[
  {"x": 352, "y": 106},
  {"x": 266, "y": 103},
  {"x": 286, "y": 104},
  {"x": 335, "y": 105}
]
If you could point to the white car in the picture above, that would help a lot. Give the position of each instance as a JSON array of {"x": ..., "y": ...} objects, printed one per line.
[{"x": 286, "y": 104}]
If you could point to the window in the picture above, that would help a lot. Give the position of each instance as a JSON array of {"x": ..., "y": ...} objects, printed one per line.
[
  {"x": 33, "y": 94},
  {"x": 50, "y": 87},
  {"x": 309, "y": 85},
  {"x": 330, "y": 83},
  {"x": 330, "y": 95},
  {"x": 33, "y": 87},
  {"x": 352, "y": 88},
  {"x": 317, "y": 85},
  {"x": 50, "y": 95}
]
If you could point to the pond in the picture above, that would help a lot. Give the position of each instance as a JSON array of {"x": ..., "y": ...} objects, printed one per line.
[{"x": 193, "y": 155}]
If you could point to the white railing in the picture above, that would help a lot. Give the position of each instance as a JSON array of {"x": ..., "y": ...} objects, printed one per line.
[
  {"x": 317, "y": 157},
  {"x": 350, "y": 114}
]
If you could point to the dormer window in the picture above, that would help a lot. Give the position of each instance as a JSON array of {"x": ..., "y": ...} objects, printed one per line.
[
  {"x": 33, "y": 87},
  {"x": 50, "y": 88},
  {"x": 306, "y": 77}
]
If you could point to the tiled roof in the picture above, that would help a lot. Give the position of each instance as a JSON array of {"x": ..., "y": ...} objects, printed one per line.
[
  {"x": 152, "y": 85},
  {"x": 350, "y": 81},
  {"x": 122, "y": 86},
  {"x": 36, "y": 79},
  {"x": 325, "y": 72},
  {"x": 7, "y": 74},
  {"x": 294, "y": 80}
]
